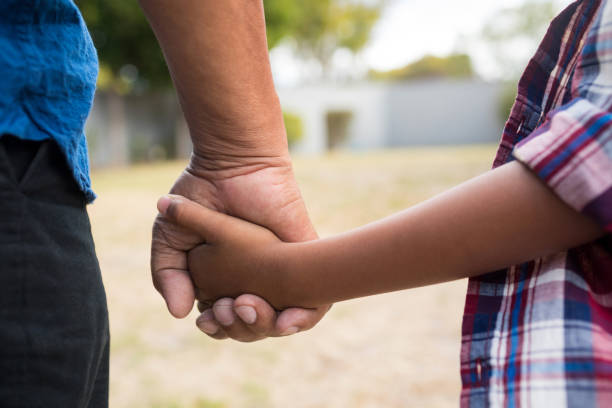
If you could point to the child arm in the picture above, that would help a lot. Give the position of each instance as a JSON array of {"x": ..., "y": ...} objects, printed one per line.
[{"x": 501, "y": 218}]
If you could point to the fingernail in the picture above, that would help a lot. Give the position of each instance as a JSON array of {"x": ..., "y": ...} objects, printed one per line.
[
  {"x": 208, "y": 326},
  {"x": 290, "y": 331},
  {"x": 247, "y": 314},
  {"x": 163, "y": 203},
  {"x": 224, "y": 312}
]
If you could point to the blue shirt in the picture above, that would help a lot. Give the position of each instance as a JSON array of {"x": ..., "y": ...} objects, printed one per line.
[{"x": 48, "y": 71}]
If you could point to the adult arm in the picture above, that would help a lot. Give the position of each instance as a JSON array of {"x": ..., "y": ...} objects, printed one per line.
[{"x": 218, "y": 59}]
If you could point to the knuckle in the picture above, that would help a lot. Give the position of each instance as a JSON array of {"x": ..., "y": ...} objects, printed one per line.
[{"x": 174, "y": 211}]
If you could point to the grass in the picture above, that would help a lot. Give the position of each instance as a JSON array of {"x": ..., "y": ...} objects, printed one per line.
[{"x": 395, "y": 350}]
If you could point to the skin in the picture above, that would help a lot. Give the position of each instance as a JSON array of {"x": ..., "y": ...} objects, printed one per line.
[
  {"x": 463, "y": 232},
  {"x": 218, "y": 60}
]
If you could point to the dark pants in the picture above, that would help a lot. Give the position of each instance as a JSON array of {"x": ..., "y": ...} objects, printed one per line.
[{"x": 54, "y": 340}]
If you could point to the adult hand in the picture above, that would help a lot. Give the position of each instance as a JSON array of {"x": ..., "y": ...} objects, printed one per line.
[{"x": 261, "y": 190}]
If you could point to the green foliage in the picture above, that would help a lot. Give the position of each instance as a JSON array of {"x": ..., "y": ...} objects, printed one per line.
[
  {"x": 451, "y": 66},
  {"x": 527, "y": 20},
  {"x": 294, "y": 126},
  {"x": 512, "y": 35},
  {"x": 280, "y": 15},
  {"x": 130, "y": 58},
  {"x": 323, "y": 26},
  {"x": 511, "y": 29}
]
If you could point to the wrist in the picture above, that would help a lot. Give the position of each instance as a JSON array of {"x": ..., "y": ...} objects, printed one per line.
[
  {"x": 278, "y": 265},
  {"x": 223, "y": 165},
  {"x": 256, "y": 132},
  {"x": 291, "y": 269}
]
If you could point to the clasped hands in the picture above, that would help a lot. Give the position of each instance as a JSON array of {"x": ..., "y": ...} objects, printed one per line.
[
  {"x": 234, "y": 257},
  {"x": 265, "y": 193}
]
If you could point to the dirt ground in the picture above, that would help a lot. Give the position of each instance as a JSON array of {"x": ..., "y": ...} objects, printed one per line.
[{"x": 395, "y": 350}]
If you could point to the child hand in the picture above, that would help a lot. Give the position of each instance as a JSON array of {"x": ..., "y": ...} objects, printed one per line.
[{"x": 237, "y": 256}]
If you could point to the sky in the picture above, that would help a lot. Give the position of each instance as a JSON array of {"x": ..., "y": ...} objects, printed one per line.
[{"x": 409, "y": 29}]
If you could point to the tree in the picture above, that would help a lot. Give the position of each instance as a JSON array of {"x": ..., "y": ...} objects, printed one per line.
[
  {"x": 280, "y": 15},
  {"x": 451, "y": 66},
  {"x": 512, "y": 37},
  {"x": 320, "y": 27},
  {"x": 131, "y": 60},
  {"x": 513, "y": 34}
]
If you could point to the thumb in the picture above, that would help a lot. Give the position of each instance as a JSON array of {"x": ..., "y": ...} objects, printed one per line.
[
  {"x": 171, "y": 278},
  {"x": 193, "y": 216},
  {"x": 177, "y": 289}
]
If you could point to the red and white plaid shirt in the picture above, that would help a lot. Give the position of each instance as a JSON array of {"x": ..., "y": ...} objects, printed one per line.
[{"x": 540, "y": 334}]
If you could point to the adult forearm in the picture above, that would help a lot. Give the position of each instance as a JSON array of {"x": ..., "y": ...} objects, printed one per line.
[
  {"x": 218, "y": 59},
  {"x": 504, "y": 217}
]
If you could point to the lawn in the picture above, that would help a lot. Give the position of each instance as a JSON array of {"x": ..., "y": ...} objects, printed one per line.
[{"x": 395, "y": 350}]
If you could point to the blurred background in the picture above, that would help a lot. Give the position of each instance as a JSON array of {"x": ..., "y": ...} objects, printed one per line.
[{"x": 386, "y": 103}]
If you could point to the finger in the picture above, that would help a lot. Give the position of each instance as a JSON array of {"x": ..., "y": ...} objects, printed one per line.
[
  {"x": 207, "y": 324},
  {"x": 204, "y": 304},
  {"x": 294, "y": 320},
  {"x": 256, "y": 314},
  {"x": 235, "y": 328},
  {"x": 186, "y": 213},
  {"x": 176, "y": 288},
  {"x": 169, "y": 266}
]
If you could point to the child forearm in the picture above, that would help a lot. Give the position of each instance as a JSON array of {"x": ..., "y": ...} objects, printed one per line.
[{"x": 472, "y": 229}]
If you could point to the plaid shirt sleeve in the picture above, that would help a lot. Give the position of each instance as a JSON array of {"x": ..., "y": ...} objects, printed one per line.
[{"x": 572, "y": 150}]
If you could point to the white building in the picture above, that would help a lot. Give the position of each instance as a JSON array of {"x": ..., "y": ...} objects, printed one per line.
[
  {"x": 375, "y": 115},
  {"x": 358, "y": 116}
]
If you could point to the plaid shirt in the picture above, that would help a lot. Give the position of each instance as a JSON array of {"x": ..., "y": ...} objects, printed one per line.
[{"x": 540, "y": 334}]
